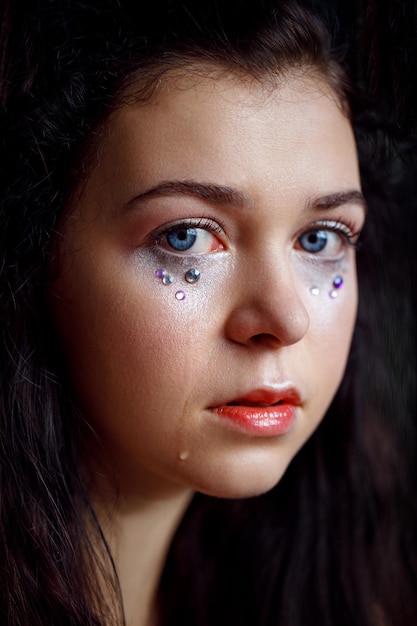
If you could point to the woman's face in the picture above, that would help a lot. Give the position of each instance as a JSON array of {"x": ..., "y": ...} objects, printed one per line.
[{"x": 214, "y": 384}]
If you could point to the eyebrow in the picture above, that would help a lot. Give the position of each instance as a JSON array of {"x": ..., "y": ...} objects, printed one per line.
[
  {"x": 216, "y": 194},
  {"x": 333, "y": 200},
  {"x": 227, "y": 196}
]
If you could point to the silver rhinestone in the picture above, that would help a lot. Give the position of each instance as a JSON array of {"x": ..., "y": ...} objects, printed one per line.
[
  {"x": 315, "y": 291},
  {"x": 167, "y": 280},
  {"x": 192, "y": 276}
]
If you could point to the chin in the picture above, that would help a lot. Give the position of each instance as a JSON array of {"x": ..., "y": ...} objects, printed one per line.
[{"x": 242, "y": 484}]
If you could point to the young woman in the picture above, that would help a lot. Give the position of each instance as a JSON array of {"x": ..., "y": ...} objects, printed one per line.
[{"x": 181, "y": 207}]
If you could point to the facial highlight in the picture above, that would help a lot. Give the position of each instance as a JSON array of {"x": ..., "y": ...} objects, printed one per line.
[{"x": 207, "y": 294}]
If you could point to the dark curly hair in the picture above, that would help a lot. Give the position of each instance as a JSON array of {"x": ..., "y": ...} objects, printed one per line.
[{"x": 335, "y": 541}]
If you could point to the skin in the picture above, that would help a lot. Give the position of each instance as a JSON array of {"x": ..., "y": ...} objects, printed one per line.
[{"x": 145, "y": 366}]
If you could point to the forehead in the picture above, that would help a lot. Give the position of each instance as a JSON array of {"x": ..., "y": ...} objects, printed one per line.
[
  {"x": 210, "y": 84},
  {"x": 235, "y": 130}
]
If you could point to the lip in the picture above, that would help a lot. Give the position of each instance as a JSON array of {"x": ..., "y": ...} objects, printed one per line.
[{"x": 261, "y": 412}]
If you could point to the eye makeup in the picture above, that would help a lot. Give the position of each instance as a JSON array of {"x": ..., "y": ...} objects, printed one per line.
[{"x": 191, "y": 276}]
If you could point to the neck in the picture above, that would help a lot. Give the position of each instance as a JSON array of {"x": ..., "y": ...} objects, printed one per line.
[{"x": 139, "y": 536}]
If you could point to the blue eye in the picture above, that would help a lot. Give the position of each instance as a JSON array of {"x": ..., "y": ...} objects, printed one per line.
[
  {"x": 181, "y": 238},
  {"x": 328, "y": 239},
  {"x": 314, "y": 241},
  {"x": 329, "y": 243},
  {"x": 187, "y": 238}
]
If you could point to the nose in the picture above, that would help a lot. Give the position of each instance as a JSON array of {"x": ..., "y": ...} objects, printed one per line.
[{"x": 268, "y": 309}]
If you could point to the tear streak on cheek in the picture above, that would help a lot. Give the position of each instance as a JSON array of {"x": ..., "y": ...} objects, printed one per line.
[{"x": 184, "y": 444}]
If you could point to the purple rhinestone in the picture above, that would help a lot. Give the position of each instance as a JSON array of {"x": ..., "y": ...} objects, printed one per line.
[
  {"x": 160, "y": 273},
  {"x": 337, "y": 281},
  {"x": 180, "y": 295}
]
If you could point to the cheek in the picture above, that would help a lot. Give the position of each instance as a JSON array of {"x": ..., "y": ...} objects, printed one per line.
[
  {"x": 332, "y": 310},
  {"x": 140, "y": 359},
  {"x": 131, "y": 344}
]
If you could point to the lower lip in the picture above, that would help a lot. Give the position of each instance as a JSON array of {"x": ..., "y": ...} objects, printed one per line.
[{"x": 265, "y": 421}]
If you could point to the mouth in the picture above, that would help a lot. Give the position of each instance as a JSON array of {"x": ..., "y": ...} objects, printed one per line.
[
  {"x": 267, "y": 398},
  {"x": 244, "y": 402},
  {"x": 261, "y": 412}
]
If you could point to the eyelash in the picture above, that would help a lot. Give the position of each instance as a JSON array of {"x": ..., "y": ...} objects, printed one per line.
[
  {"x": 345, "y": 228},
  {"x": 203, "y": 222}
]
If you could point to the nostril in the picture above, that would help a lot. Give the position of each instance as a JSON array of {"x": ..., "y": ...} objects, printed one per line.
[{"x": 264, "y": 338}]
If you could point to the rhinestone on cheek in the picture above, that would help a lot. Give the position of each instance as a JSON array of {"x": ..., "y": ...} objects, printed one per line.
[
  {"x": 160, "y": 273},
  {"x": 333, "y": 293},
  {"x": 337, "y": 281},
  {"x": 180, "y": 295},
  {"x": 315, "y": 290},
  {"x": 192, "y": 276},
  {"x": 167, "y": 279}
]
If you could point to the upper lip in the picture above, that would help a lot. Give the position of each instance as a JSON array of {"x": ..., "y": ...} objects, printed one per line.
[{"x": 267, "y": 397}]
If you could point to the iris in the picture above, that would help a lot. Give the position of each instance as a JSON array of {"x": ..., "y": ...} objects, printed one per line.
[
  {"x": 314, "y": 240},
  {"x": 181, "y": 238}
]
